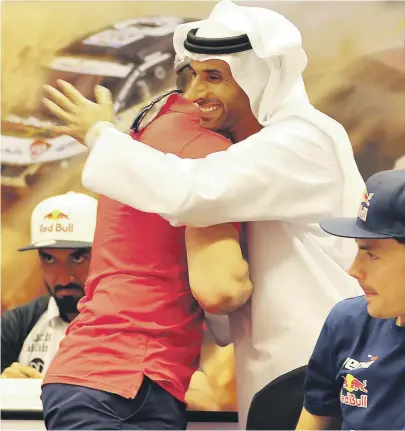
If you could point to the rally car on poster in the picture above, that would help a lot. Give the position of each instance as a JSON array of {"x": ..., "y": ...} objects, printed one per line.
[{"x": 133, "y": 58}]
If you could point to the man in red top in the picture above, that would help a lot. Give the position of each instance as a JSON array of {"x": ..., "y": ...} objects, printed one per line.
[{"x": 127, "y": 359}]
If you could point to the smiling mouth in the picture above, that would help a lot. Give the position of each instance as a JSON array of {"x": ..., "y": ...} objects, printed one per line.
[{"x": 207, "y": 109}]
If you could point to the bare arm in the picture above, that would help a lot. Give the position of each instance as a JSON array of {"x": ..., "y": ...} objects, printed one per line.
[
  {"x": 219, "y": 276},
  {"x": 290, "y": 170},
  {"x": 308, "y": 421}
]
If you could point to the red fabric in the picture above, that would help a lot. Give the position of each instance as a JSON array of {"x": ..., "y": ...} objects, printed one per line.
[{"x": 138, "y": 316}]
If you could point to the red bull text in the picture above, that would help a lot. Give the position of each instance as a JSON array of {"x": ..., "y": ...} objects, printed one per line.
[{"x": 351, "y": 400}]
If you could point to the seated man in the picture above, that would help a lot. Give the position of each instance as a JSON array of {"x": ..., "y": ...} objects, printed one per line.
[
  {"x": 358, "y": 365},
  {"x": 62, "y": 230}
]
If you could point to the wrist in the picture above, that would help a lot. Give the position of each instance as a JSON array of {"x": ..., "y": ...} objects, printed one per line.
[{"x": 94, "y": 132}]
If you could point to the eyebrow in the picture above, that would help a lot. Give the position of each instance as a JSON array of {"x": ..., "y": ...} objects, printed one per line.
[
  {"x": 80, "y": 252},
  {"x": 206, "y": 70},
  {"x": 77, "y": 252},
  {"x": 366, "y": 247},
  {"x": 43, "y": 254},
  {"x": 212, "y": 71}
]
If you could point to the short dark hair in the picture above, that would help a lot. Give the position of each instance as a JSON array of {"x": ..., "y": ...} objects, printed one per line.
[{"x": 401, "y": 240}]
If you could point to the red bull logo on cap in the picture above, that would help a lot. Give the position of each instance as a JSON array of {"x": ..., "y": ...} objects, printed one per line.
[
  {"x": 367, "y": 197},
  {"x": 364, "y": 204},
  {"x": 56, "y": 216}
]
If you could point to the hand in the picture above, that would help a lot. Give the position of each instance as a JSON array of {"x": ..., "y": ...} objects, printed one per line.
[
  {"x": 200, "y": 395},
  {"x": 78, "y": 113},
  {"x": 18, "y": 371}
]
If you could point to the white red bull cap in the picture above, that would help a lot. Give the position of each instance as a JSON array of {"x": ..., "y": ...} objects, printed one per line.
[{"x": 64, "y": 221}]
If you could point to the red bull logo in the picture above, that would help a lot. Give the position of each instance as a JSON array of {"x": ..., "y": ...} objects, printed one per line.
[
  {"x": 363, "y": 212},
  {"x": 56, "y": 215},
  {"x": 351, "y": 400},
  {"x": 366, "y": 198},
  {"x": 351, "y": 384},
  {"x": 364, "y": 204}
]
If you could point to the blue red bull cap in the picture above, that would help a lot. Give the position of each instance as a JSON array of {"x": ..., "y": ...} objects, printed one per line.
[{"x": 381, "y": 213}]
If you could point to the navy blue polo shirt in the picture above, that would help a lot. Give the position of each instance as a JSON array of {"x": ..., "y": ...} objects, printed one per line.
[{"x": 358, "y": 369}]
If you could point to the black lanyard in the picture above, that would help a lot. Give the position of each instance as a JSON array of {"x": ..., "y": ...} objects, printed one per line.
[{"x": 136, "y": 125}]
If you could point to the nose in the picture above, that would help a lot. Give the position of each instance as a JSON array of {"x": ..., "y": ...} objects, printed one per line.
[
  {"x": 196, "y": 90},
  {"x": 356, "y": 270},
  {"x": 64, "y": 276}
]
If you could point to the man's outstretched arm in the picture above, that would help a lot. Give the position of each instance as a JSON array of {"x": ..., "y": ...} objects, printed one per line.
[
  {"x": 283, "y": 175},
  {"x": 287, "y": 171}
]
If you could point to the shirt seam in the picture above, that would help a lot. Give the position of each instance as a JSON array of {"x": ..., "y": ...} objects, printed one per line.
[{"x": 190, "y": 142}]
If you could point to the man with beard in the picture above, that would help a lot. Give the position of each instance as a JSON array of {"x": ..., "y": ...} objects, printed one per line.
[
  {"x": 290, "y": 167},
  {"x": 62, "y": 230}
]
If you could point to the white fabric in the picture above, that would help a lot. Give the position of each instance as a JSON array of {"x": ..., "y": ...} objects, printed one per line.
[
  {"x": 400, "y": 163},
  {"x": 219, "y": 328},
  {"x": 269, "y": 71},
  {"x": 42, "y": 343},
  {"x": 270, "y": 74},
  {"x": 298, "y": 170}
]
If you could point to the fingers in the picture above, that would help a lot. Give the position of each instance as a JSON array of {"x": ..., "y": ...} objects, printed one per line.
[
  {"x": 103, "y": 95},
  {"x": 59, "y": 98},
  {"x": 11, "y": 373},
  {"x": 18, "y": 371},
  {"x": 74, "y": 95},
  {"x": 30, "y": 372},
  {"x": 56, "y": 110}
]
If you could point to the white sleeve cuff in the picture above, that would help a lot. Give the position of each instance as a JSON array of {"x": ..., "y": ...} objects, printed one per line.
[{"x": 94, "y": 132}]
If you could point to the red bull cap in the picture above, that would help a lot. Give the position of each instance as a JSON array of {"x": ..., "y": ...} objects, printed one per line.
[
  {"x": 381, "y": 213},
  {"x": 64, "y": 221}
]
